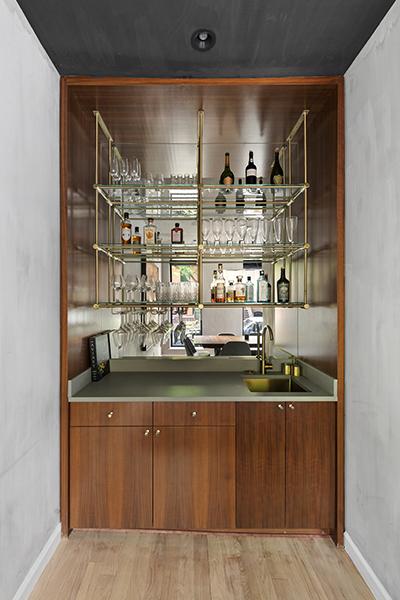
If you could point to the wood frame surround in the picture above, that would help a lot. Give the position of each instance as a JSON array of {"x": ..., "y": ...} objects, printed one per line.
[{"x": 67, "y": 83}]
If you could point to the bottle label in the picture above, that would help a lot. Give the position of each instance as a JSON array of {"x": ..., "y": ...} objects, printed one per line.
[
  {"x": 149, "y": 236},
  {"x": 278, "y": 179},
  {"x": 227, "y": 181},
  {"x": 263, "y": 291},
  {"x": 220, "y": 292},
  {"x": 251, "y": 172},
  {"x": 126, "y": 234},
  {"x": 176, "y": 236},
  {"x": 283, "y": 292}
]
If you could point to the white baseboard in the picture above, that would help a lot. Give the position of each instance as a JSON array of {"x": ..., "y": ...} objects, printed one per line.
[
  {"x": 39, "y": 565},
  {"x": 367, "y": 573}
]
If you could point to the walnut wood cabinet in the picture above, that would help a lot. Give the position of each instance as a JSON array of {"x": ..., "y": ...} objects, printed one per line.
[
  {"x": 286, "y": 461},
  {"x": 216, "y": 465}
]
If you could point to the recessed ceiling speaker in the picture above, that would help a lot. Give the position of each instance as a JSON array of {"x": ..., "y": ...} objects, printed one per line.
[{"x": 203, "y": 39}]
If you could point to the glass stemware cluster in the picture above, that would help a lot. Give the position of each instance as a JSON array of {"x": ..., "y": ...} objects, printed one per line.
[
  {"x": 130, "y": 288},
  {"x": 249, "y": 230},
  {"x": 141, "y": 328}
]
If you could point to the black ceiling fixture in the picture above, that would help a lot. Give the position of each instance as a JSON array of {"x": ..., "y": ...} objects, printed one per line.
[{"x": 203, "y": 39}]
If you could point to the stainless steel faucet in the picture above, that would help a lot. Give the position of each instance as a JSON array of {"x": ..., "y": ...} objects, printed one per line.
[{"x": 265, "y": 355}]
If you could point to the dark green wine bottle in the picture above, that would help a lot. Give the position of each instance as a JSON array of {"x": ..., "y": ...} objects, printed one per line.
[
  {"x": 227, "y": 177},
  {"x": 276, "y": 171},
  {"x": 283, "y": 287}
]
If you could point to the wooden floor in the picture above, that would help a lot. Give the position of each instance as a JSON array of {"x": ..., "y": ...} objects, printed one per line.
[{"x": 184, "y": 566}]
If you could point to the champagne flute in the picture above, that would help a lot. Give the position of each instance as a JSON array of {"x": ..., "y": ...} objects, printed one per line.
[
  {"x": 241, "y": 228},
  {"x": 278, "y": 229},
  {"x": 229, "y": 226},
  {"x": 291, "y": 228}
]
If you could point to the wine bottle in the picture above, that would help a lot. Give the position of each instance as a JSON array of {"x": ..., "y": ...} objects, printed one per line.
[
  {"x": 283, "y": 287},
  {"x": 220, "y": 202},
  {"x": 239, "y": 196},
  {"x": 227, "y": 177},
  {"x": 276, "y": 171},
  {"x": 261, "y": 199},
  {"x": 251, "y": 171}
]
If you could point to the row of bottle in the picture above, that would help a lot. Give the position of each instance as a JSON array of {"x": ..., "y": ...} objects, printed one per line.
[
  {"x": 150, "y": 233},
  {"x": 228, "y": 178},
  {"x": 247, "y": 292}
]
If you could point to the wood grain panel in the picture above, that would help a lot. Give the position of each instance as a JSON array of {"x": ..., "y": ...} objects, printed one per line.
[
  {"x": 111, "y": 414},
  {"x": 194, "y": 478},
  {"x": 260, "y": 466},
  {"x": 111, "y": 477},
  {"x": 194, "y": 413},
  {"x": 311, "y": 465}
]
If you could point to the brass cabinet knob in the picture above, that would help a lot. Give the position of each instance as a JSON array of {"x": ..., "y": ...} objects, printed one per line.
[
  {"x": 147, "y": 432},
  {"x": 158, "y": 432},
  {"x": 281, "y": 407},
  {"x": 110, "y": 414},
  {"x": 291, "y": 406},
  {"x": 194, "y": 414}
]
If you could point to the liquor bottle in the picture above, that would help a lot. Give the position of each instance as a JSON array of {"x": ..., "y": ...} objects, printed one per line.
[
  {"x": 177, "y": 234},
  {"x": 276, "y": 171},
  {"x": 158, "y": 237},
  {"x": 239, "y": 196},
  {"x": 251, "y": 171},
  {"x": 136, "y": 239},
  {"x": 149, "y": 232},
  {"x": 220, "y": 202},
  {"x": 240, "y": 289},
  {"x": 261, "y": 199},
  {"x": 283, "y": 287},
  {"x": 213, "y": 286},
  {"x": 126, "y": 230},
  {"x": 263, "y": 288},
  {"x": 220, "y": 288},
  {"x": 227, "y": 177},
  {"x": 249, "y": 290},
  {"x": 230, "y": 292}
]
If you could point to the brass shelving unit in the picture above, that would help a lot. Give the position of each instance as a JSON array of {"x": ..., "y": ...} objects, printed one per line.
[{"x": 172, "y": 201}]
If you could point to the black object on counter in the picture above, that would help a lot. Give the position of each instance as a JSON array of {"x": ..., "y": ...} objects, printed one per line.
[{"x": 100, "y": 354}]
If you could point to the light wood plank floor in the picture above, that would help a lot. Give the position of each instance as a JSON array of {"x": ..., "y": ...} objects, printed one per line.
[{"x": 185, "y": 566}]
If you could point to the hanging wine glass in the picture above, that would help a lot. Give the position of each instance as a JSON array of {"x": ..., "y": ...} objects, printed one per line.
[{"x": 217, "y": 230}]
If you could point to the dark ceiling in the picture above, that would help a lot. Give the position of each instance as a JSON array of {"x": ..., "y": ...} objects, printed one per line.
[{"x": 151, "y": 38}]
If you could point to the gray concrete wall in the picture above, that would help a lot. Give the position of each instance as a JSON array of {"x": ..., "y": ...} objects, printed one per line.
[
  {"x": 29, "y": 298},
  {"x": 372, "y": 301}
]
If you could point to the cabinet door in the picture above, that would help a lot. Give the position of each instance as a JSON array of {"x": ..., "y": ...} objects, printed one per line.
[
  {"x": 310, "y": 465},
  {"x": 260, "y": 474},
  {"x": 111, "y": 477},
  {"x": 194, "y": 478}
]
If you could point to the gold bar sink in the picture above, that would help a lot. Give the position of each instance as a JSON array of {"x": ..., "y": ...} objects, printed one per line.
[{"x": 273, "y": 384}]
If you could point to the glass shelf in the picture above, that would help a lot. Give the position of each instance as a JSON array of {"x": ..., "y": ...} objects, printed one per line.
[
  {"x": 264, "y": 252},
  {"x": 202, "y": 305},
  {"x": 253, "y": 305},
  {"x": 156, "y": 252}
]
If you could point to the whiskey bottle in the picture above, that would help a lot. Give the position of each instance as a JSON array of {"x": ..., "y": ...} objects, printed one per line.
[
  {"x": 220, "y": 288},
  {"x": 177, "y": 234},
  {"x": 263, "y": 288},
  {"x": 249, "y": 290},
  {"x": 251, "y": 171},
  {"x": 213, "y": 287},
  {"x": 227, "y": 177},
  {"x": 283, "y": 288},
  {"x": 276, "y": 171},
  {"x": 126, "y": 230},
  {"x": 230, "y": 292},
  {"x": 240, "y": 289},
  {"x": 149, "y": 232}
]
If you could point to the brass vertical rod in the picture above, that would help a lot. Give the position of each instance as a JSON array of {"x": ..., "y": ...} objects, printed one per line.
[
  {"x": 305, "y": 113},
  {"x": 110, "y": 261},
  {"x": 200, "y": 133},
  {"x": 97, "y": 286}
]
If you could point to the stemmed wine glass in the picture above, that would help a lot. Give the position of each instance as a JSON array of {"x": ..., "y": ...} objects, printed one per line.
[
  {"x": 291, "y": 228},
  {"x": 229, "y": 226},
  {"x": 206, "y": 230},
  {"x": 252, "y": 225},
  {"x": 117, "y": 284},
  {"x": 278, "y": 229},
  {"x": 241, "y": 228},
  {"x": 217, "y": 230},
  {"x": 267, "y": 230}
]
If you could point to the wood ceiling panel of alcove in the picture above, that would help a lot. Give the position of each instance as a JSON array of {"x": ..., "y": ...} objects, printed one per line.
[{"x": 149, "y": 114}]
